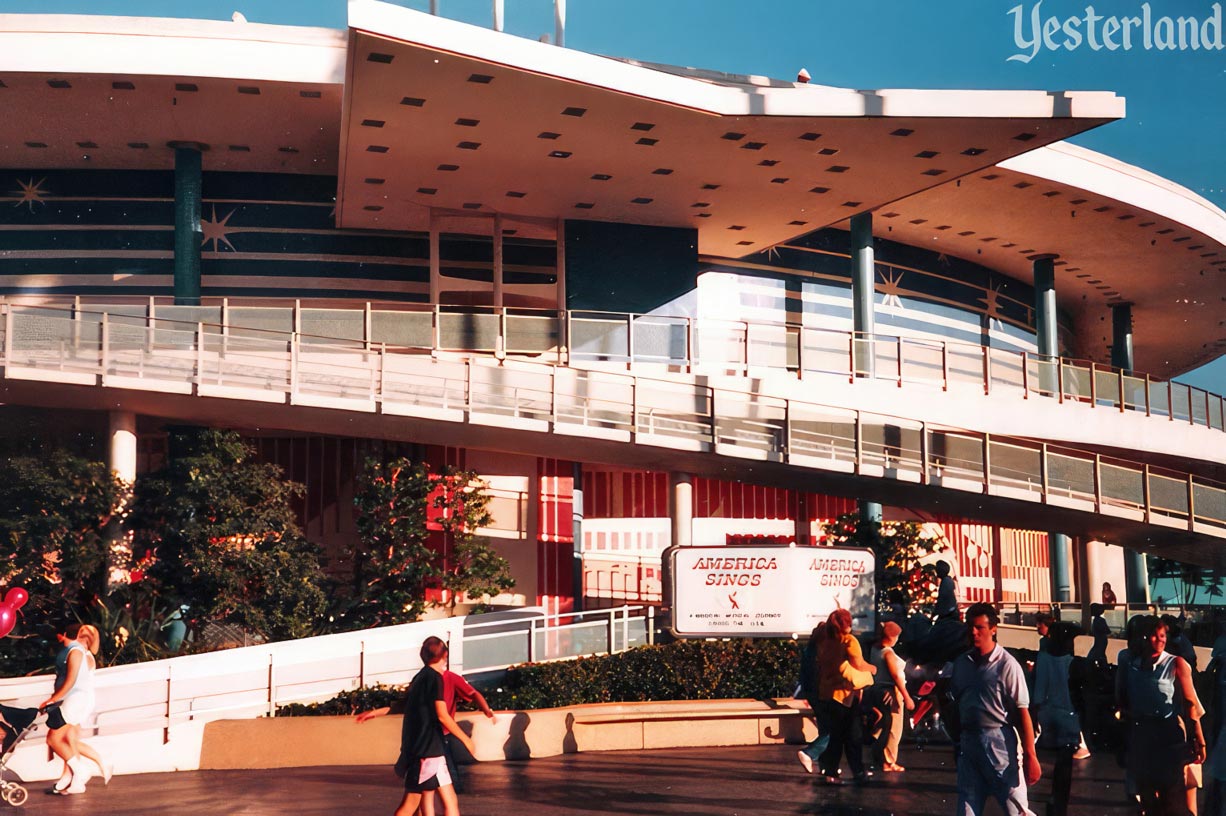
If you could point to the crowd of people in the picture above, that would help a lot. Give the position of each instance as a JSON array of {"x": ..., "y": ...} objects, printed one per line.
[{"x": 1002, "y": 716}]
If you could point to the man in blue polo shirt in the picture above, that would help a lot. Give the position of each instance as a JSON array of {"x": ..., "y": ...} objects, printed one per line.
[{"x": 993, "y": 707}]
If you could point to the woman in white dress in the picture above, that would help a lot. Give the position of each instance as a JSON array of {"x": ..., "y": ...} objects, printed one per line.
[{"x": 74, "y": 692}]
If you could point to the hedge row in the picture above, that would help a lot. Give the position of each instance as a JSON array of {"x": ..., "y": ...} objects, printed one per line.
[{"x": 685, "y": 670}]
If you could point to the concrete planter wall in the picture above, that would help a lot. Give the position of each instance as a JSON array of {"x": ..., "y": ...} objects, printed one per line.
[{"x": 286, "y": 742}]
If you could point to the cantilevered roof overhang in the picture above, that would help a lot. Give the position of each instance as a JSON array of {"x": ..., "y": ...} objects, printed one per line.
[
  {"x": 117, "y": 92},
  {"x": 441, "y": 115},
  {"x": 1123, "y": 235}
]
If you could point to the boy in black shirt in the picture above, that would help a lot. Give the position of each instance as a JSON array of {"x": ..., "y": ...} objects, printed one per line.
[{"x": 422, "y": 761}]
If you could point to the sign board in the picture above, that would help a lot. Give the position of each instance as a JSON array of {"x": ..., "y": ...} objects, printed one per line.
[{"x": 766, "y": 591}]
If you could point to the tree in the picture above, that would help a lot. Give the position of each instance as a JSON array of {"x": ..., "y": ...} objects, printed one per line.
[
  {"x": 216, "y": 530},
  {"x": 398, "y": 504},
  {"x": 55, "y": 511},
  {"x": 900, "y": 548},
  {"x": 1187, "y": 579},
  {"x": 474, "y": 569}
]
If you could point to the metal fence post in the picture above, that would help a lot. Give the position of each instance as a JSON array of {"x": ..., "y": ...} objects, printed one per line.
[
  {"x": 532, "y": 640},
  {"x": 166, "y": 728},
  {"x": 272, "y": 686},
  {"x": 651, "y": 625},
  {"x": 609, "y": 629},
  {"x": 105, "y": 346},
  {"x": 362, "y": 664},
  {"x": 1191, "y": 503},
  {"x": 987, "y": 463}
]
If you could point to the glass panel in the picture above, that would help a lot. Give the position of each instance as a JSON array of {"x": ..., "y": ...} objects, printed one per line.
[
  {"x": 1107, "y": 388},
  {"x": 1134, "y": 393},
  {"x": 660, "y": 340},
  {"x": 827, "y": 351},
  {"x": 1159, "y": 399},
  {"x": 468, "y": 331},
  {"x": 1122, "y": 485},
  {"x": 1070, "y": 476},
  {"x": 599, "y": 338},
  {"x": 328, "y": 325},
  {"x": 921, "y": 362},
  {"x": 956, "y": 456},
  {"x": 1198, "y": 406},
  {"x": 1168, "y": 496},
  {"x": 1180, "y": 401},
  {"x": 1015, "y": 466},
  {"x": 770, "y": 346},
  {"x": 532, "y": 334},
  {"x": 1076, "y": 382},
  {"x": 1210, "y": 504},
  {"x": 402, "y": 329}
]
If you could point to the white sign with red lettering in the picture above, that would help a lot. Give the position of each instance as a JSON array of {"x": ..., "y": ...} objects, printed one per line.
[{"x": 766, "y": 591}]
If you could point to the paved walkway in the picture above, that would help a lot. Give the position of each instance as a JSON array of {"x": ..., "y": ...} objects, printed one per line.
[{"x": 685, "y": 782}]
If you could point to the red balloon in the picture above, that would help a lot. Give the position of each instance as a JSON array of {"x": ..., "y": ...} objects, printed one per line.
[
  {"x": 8, "y": 619},
  {"x": 16, "y": 598}
]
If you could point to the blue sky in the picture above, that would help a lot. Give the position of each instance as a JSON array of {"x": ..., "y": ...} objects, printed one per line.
[{"x": 1176, "y": 116}]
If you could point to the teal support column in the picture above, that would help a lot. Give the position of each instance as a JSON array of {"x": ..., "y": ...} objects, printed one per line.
[
  {"x": 188, "y": 186},
  {"x": 576, "y": 515},
  {"x": 1136, "y": 573},
  {"x": 1048, "y": 344},
  {"x": 1061, "y": 575},
  {"x": 863, "y": 287},
  {"x": 1046, "y": 337}
]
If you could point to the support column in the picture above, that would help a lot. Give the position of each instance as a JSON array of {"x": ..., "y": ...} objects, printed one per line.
[
  {"x": 681, "y": 508},
  {"x": 1047, "y": 339},
  {"x": 1061, "y": 576},
  {"x": 576, "y": 520},
  {"x": 1045, "y": 323},
  {"x": 559, "y": 22},
  {"x": 863, "y": 287},
  {"x": 498, "y": 287},
  {"x": 1136, "y": 573},
  {"x": 436, "y": 264},
  {"x": 188, "y": 232},
  {"x": 122, "y": 427}
]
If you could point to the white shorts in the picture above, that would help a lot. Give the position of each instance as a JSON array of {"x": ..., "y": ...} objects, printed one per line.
[{"x": 434, "y": 767}]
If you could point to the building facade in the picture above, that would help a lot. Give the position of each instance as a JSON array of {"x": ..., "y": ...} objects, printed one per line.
[{"x": 649, "y": 305}]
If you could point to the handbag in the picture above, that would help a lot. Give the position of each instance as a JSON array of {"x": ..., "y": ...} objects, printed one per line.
[{"x": 853, "y": 677}]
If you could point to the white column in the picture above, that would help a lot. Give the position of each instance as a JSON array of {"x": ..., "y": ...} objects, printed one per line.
[
  {"x": 122, "y": 426},
  {"x": 681, "y": 508},
  {"x": 559, "y": 22},
  {"x": 499, "y": 14}
]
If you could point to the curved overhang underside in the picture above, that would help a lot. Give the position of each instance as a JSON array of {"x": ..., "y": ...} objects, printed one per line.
[
  {"x": 1122, "y": 235},
  {"x": 442, "y": 116}
]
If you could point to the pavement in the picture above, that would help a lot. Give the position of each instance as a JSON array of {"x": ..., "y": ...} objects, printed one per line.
[{"x": 681, "y": 781}]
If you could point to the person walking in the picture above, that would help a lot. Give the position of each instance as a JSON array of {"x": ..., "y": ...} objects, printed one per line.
[
  {"x": 890, "y": 698},
  {"x": 1053, "y": 709},
  {"x": 422, "y": 755},
  {"x": 1166, "y": 745},
  {"x": 70, "y": 705},
  {"x": 807, "y": 689},
  {"x": 989, "y": 687},
  {"x": 842, "y": 673},
  {"x": 1100, "y": 631}
]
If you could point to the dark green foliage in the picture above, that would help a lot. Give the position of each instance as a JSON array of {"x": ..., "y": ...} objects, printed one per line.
[
  {"x": 1188, "y": 579},
  {"x": 685, "y": 670},
  {"x": 398, "y": 502},
  {"x": 346, "y": 703},
  {"x": 55, "y": 509},
  {"x": 898, "y": 547},
  {"x": 219, "y": 534}
]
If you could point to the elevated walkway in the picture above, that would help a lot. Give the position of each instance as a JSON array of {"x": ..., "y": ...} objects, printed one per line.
[{"x": 715, "y": 425}]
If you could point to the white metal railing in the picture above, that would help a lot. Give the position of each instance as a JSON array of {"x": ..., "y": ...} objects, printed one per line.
[
  {"x": 685, "y": 343},
  {"x": 255, "y": 681},
  {"x": 287, "y": 367}
]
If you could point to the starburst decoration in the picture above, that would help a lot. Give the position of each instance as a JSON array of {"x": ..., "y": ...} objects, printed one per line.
[
  {"x": 216, "y": 231},
  {"x": 891, "y": 288},
  {"x": 991, "y": 305},
  {"x": 31, "y": 193}
]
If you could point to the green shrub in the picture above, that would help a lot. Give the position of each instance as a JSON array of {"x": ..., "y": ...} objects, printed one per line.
[{"x": 685, "y": 670}]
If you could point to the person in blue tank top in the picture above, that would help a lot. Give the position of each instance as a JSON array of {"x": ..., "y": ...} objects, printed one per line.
[{"x": 1159, "y": 702}]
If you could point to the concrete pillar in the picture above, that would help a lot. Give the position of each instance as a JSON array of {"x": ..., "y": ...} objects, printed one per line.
[
  {"x": 1136, "y": 573},
  {"x": 681, "y": 508},
  {"x": 1045, "y": 323},
  {"x": 576, "y": 519},
  {"x": 863, "y": 288},
  {"x": 188, "y": 232},
  {"x": 1047, "y": 337},
  {"x": 122, "y": 426},
  {"x": 1061, "y": 576}
]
